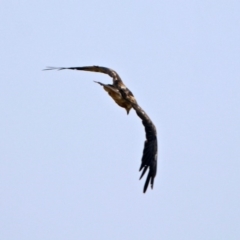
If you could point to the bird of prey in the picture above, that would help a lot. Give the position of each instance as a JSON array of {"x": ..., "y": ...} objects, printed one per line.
[{"x": 125, "y": 99}]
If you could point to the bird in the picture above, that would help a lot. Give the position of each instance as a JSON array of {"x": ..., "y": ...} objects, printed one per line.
[{"x": 125, "y": 99}]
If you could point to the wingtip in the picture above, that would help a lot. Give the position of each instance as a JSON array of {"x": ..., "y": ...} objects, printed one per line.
[
  {"x": 146, "y": 183},
  {"x": 47, "y": 68},
  {"x": 53, "y": 68},
  {"x": 143, "y": 172},
  {"x": 99, "y": 83},
  {"x": 145, "y": 189}
]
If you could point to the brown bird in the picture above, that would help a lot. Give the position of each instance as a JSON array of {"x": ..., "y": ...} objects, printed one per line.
[{"x": 125, "y": 99}]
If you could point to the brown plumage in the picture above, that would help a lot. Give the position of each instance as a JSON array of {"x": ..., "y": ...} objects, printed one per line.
[{"x": 125, "y": 99}]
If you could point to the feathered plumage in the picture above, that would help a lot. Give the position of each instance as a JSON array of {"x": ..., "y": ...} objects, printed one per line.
[{"x": 125, "y": 99}]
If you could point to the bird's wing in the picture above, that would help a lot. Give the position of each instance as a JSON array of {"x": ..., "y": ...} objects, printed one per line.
[
  {"x": 105, "y": 70},
  {"x": 149, "y": 158},
  {"x": 109, "y": 87}
]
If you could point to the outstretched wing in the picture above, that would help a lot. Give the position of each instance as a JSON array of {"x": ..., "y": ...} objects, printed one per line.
[
  {"x": 149, "y": 158},
  {"x": 105, "y": 70}
]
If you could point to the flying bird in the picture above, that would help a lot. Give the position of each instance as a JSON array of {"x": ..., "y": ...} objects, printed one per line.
[{"x": 125, "y": 99}]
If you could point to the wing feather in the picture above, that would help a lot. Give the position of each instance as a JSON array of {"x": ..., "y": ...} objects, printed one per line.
[
  {"x": 105, "y": 70},
  {"x": 149, "y": 158}
]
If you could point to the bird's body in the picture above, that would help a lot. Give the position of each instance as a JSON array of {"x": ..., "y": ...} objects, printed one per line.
[
  {"x": 125, "y": 99},
  {"x": 115, "y": 93}
]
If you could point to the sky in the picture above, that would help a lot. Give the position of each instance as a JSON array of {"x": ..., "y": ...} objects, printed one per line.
[{"x": 69, "y": 156}]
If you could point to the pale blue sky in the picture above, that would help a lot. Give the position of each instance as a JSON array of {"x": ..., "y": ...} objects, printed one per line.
[{"x": 69, "y": 156}]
